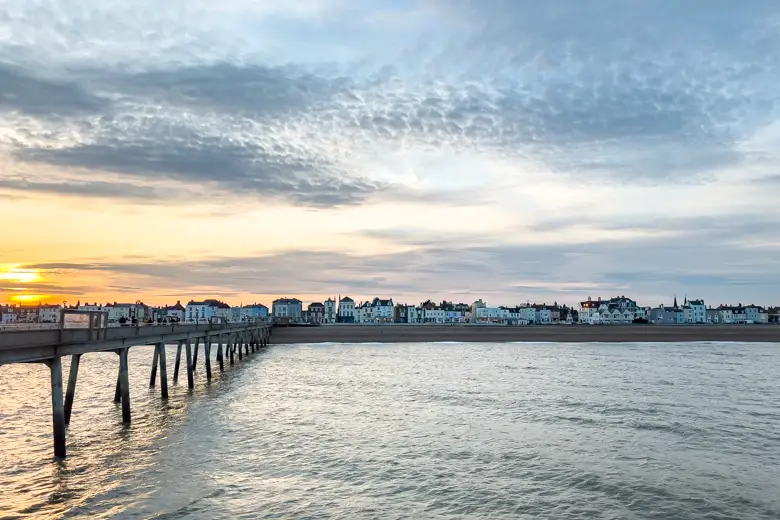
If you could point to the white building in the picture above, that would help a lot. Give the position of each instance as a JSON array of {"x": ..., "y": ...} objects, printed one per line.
[
  {"x": 50, "y": 313},
  {"x": 203, "y": 311},
  {"x": 414, "y": 314},
  {"x": 256, "y": 311},
  {"x": 383, "y": 310},
  {"x": 542, "y": 314},
  {"x": 346, "y": 307},
  {"x": 330, "y": 311},
  {"x": 8, "y": 314},
  {"x": 694, "y": 311},
  {"x": 489, "y": 314},
  {"x": 89, "y": 306},
  {"x": 174, "y": 313},
  {"x": 364, "y": 313},
  {"x": 120, "y": 311},
  {"x": 725, "y": 314},
  {"x": 756, "y": 314},
  {"x": 289, "y": 308}
]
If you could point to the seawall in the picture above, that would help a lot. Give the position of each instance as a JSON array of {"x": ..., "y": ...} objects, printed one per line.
[{"x": 557, "y": 333}]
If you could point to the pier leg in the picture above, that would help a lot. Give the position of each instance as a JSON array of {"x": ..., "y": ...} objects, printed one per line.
[
  {"x": 177, "y": 363},
  {"x": 240, "y": 341},
  {"x": 207, "y": 358},
  {"x": 118, "y": 391},
  {"x": 220, "y": 355},
  {"x": 70, "y": 394},
  {"x": 195, "y": 356},
  {"x": 190, "y": 381},
  {"x": 231, "y": 348},
  {"x": 124, "y": 383},
  {"x": 246, "y": 343},
  {"x": 155, "y": 360},
  {"x": 57, "y": 409},
  {"x": 163, "y": 371}
]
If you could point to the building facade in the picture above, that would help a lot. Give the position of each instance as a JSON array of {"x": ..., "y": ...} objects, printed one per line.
[
  {"x": 316, "y": 313},
  {"x": 289, "y": 308},
  {"x": 346, "y": 310}
]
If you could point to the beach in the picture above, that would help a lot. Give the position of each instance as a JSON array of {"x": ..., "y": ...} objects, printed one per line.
[{"x": 402, "y": 333}]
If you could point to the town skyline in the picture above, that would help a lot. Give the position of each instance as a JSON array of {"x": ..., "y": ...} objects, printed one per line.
[{"x": 509, "y": 150}]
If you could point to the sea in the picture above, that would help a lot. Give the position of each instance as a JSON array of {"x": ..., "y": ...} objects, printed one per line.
[{"x": 418, "y": 431}]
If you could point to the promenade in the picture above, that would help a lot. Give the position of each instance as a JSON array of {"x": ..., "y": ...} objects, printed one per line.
[{"x": 400, "y": 333}]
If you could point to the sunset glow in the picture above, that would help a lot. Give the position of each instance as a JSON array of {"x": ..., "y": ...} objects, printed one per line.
[
  {"x": 14, "y": 274},
  {"x": 28, "y": 298}
]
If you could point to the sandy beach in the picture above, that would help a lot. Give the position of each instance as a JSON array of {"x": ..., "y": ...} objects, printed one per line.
[{"x": 556, "y": 333}]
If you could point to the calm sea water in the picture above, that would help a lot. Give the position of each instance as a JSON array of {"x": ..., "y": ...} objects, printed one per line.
[{"x": 423, "y": 431}]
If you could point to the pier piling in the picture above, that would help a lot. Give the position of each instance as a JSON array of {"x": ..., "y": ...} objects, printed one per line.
[
  {"x": 118, "y": 391},
  {"x": 195, "y": 356},
  {"x": 190, "y": 380},
  {"x": 231, "y": 348},
  {"x": 155, "y": 361},
  {"x": 75, "y": 360},
  {"x": 207, "y": 356},
  {"x": 177, "y": 363},
  {"x": 57, "y": 409},
  {"x": 160, "y": 349},
  {"x": 220, "y": 355},
  {"x": 124, "y": 383}
]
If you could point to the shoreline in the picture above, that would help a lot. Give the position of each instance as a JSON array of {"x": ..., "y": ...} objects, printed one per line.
[{"x": 404, "y": 333}]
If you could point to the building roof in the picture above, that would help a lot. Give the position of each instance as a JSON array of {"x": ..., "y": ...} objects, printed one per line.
[
  {"x": 316, "y": 304},
  {"x": 255, "y": 306},
  {"x": 177, "y": 307},
  {"x": 347, "y": 299},
  {"x": 286, "y": 301},
  {"x": 211, "y": 302}
]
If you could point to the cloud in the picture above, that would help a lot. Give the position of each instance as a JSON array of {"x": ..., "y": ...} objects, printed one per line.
[
  {"x": 102, "y": 189},
  {"x": 191, "y": 158},
  {"x": 249, "y": 90},
  {"x": 652, "y": 267},
  {"x": 37, "y": 96}
]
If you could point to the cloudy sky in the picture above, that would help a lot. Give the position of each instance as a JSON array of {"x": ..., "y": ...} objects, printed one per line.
[{"x": 512, "y": 150}]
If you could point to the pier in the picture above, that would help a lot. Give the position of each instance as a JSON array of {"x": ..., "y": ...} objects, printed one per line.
[{"x": 49, "y": 346}]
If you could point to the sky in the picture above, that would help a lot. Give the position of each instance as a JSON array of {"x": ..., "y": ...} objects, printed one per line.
[{"x": 510, "y": 150}]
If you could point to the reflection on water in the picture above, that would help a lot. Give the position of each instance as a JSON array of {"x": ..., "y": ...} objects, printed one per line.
[{"x": 409, "y": 431}]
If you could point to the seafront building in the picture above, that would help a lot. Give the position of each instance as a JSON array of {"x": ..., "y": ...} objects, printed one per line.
[{"x": 287, "y": 308}]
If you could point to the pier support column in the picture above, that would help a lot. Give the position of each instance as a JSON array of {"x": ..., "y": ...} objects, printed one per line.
[
  {"x": 240, "y": 341},
  {"x": 160, "y": 348},
  {"x": 207, "y": 358},
  {"x": 177, "y": 363},
  {"x": 124, "y": 384},
  {"x": 155, "y": 361},
  {"x": 247, "y": 340},
  {"x": 190, "y": 380},
  {"x": 75, "y": 360},
  {"x": 57, "y": 408},
  {"x": 220, "y": 355},
  {"x": 231, "y": 348},
  {"x": 118, "y": 391},
  {"x": 195, "y": 356}
]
